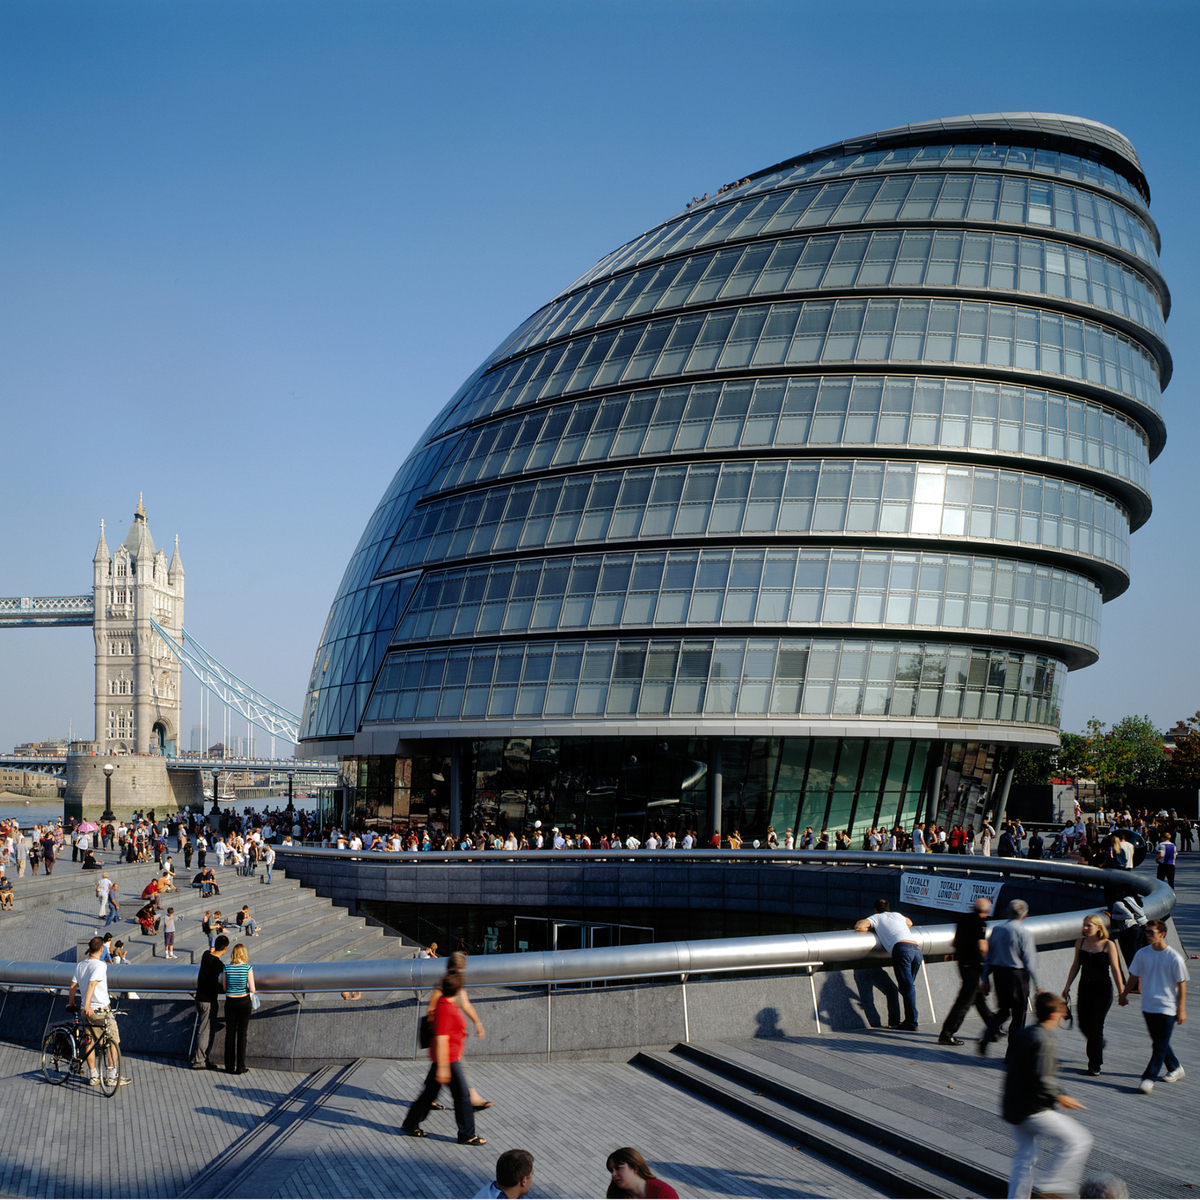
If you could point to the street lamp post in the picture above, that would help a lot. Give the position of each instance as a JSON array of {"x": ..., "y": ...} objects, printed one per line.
[
  {"x": 291, "y": 807},
  {"x": 108, "y": 774},
  {"x": 216, "y": 808}
]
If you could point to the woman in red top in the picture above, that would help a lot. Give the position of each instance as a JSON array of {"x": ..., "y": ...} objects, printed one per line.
[
  {"x": 631, "y": 1176},
  {"x": 445, "y": 1050}
]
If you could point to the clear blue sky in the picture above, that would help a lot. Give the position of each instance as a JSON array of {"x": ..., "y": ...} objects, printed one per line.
[{"x": 249, "y": 249}]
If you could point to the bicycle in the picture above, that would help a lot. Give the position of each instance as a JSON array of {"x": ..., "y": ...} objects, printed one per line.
[{"x": 65, "y": 1052}]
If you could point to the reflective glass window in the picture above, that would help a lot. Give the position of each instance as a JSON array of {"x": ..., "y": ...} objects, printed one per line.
[
  {"x": 763, "y": 677},
  {"x": 867, "y": 331},
  {"x": 912, "y": 195},
  {"x": 926, "y": 499},
  {"x": 858, "y": 410}
]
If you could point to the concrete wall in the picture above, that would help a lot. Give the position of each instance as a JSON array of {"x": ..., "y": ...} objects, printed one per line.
[
  {"x": 139, "y": 781},
  {"x": 533, "y": 1025},
  {"x": 833, "y": 893},
  {"x": 187, "y": 787}
]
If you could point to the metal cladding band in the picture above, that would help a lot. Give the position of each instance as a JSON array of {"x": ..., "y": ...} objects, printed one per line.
[{"x": 629, "y": 962}]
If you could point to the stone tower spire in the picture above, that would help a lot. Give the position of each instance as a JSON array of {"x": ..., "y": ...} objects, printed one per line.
[{"x": 138, "y": 680}]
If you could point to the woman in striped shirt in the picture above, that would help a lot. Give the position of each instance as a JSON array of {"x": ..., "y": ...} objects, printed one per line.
[{"x": 238, "y": 982}]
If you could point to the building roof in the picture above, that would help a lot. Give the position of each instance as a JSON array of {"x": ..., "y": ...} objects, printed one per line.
[
  {"x": 1075, "y": 135},
  {"x": 102, "y": 554},
  {"x": 138, "y": 540}
]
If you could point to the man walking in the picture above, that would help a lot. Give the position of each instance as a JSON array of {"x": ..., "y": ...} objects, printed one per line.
[
  {"x": 1031, "y": 1093},
  {"x": 102, "y": 890},
  {"x": 1011, "y": 964},
  {"x": 894, "y": 933},
  {"x": 208, "y": 990},
  {"x": 970, "y": 949},
  {"x": 113, "y": 913},
  {"x": 269, "y": 859},
  {"x": 1166, "y": 859},
  {"x": 1161, "y": 975}
]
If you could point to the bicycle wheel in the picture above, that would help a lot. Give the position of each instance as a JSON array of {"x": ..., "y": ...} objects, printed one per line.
[
  {"x": 58, "y": 1052},
  {"x": 110, "y": 1072}
]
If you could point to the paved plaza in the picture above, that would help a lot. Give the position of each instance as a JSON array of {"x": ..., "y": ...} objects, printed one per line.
[{"x": 185, "y": 1133}]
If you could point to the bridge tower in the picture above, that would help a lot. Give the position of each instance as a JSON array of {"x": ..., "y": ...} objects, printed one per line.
[{"x": 138, "y": 680}]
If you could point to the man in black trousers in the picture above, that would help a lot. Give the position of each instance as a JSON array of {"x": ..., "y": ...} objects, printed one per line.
[
  {"x": 970, "y": 949},
  {"x": 1011, "y": 964}
]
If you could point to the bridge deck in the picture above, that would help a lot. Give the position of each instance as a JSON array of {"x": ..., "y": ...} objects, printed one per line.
[{"x": 71, "y": 1141}]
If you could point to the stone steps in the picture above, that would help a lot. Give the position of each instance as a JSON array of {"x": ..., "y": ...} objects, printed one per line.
[
  {"x": 894, "y": 1150},
  {"x": 297, "y": 925}
]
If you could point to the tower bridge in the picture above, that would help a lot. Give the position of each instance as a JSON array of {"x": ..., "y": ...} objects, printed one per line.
[{"x": 135, "y": 611}]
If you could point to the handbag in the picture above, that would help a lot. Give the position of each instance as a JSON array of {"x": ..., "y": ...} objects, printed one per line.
[
  {"x": 425, "y": 1030},
  {"x": 254, "y": 1001}
]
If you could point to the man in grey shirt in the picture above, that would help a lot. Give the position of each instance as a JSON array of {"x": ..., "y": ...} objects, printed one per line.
[{"x": 1011, "y": 965}]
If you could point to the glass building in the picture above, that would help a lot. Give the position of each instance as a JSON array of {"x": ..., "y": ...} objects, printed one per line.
[{"x": 795, "y": 510}]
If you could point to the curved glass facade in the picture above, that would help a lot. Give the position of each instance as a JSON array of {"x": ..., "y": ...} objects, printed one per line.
[
  {"x": 844, "y": 459},
  {"x": 770, "y": 588},
  {"x": 945, "y": 196},
  {"x": 781, "y": 678},
  {"x": 853, "y": 331},
  {"x": 816, "y": 412},
  {"x": 938, "y": 259},
  {"x": 860, "y": 498}
]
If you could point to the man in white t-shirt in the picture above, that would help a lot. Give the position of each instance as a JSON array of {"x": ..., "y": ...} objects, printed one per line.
[
  {"x": 1161, "y": 975},
  {"x": 90, "y": 981},
  {"x": 631, "y": 843},
  {"x": 688, "y": 840},
  {"x": 894, "y": 933}
]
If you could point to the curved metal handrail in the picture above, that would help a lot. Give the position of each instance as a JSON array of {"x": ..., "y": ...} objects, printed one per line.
[{"x": 633, "y": 962}]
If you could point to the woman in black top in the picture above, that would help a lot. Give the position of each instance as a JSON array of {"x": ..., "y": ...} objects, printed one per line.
[{"x": 1095, "y": 961}]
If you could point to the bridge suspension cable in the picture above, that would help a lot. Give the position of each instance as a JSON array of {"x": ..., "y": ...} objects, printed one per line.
[{"x": 229, "y": 689}]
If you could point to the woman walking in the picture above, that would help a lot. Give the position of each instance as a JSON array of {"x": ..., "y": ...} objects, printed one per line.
[
  {"x": 1095, "y": 962},
  {"x": 456, "y": 964},
  {"x": 238, "y": 982},
  {"x": 445, "y": 1052}
]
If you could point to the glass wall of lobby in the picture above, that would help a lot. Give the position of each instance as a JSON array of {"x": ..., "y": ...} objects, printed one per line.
[{"x": 636, "y": 786}]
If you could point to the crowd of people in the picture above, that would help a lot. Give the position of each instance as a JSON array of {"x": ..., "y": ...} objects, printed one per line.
[
  {"x": 1001, "y": 962},
  {"x": 1118, "y": 955},
  {"x": 729, "y": 187}
]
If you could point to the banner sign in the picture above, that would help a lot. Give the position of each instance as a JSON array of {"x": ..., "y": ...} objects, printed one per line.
[{"x": 943, "y": 891}]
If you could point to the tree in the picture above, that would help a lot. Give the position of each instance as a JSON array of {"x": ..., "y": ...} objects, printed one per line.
[
  {"x": 1130, "y": 755},
  {"x": 1048, "y": 763},
  {"x": 1184, "y": 770}
]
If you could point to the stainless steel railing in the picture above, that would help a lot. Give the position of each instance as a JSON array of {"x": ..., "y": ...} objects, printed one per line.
[{"x": 657, "y": 959}]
